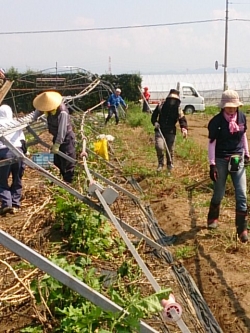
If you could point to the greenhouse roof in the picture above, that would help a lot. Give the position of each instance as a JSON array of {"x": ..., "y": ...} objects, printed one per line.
[{"x": 202, "y": 82}]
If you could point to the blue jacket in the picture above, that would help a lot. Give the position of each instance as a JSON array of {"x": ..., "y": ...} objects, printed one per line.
[{"x": 115, "y": 100}]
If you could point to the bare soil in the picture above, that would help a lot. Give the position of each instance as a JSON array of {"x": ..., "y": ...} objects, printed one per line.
[{"x": 218, "y": 264}]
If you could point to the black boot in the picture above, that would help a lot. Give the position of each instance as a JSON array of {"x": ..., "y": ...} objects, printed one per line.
[
  {"x": 241, "y": 225},
  {"x": 213, "y": 215}
]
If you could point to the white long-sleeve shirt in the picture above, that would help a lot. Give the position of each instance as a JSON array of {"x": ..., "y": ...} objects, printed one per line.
[{"x": 6, "y": 118}]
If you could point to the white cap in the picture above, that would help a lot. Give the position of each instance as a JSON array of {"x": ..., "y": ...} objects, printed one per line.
[{"x": 118, "y": 90}]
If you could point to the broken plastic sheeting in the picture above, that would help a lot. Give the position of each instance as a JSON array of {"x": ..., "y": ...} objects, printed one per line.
[{"x": 101, "y": 148}]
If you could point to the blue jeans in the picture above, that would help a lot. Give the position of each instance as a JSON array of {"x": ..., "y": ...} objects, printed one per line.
[
  {"x": 10, "y": 195},
  {"x": 112, "y": 110},
  {"x": 239, "y": 183}
]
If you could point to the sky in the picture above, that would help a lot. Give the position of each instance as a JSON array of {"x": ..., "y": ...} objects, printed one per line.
[{"x": 168, "y": 35}]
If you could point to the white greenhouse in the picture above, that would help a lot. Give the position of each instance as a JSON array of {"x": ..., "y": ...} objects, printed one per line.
[{"x": 209, "y": 85}]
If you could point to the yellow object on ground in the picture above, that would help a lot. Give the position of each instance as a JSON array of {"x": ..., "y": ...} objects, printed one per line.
[{"x": 101, "y": 148}]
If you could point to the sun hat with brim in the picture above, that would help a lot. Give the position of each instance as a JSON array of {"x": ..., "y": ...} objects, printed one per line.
[
  {"x": 230, "y": 99},
  {"x": 174, "y": 94},
  {"x": 47, "y": 101}
]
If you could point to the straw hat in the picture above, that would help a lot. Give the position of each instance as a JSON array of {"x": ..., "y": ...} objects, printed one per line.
[
  {"x": 173, "y": 93},
  {"x": 230, "y": 98},
  {"x": 47, "y": 101}
]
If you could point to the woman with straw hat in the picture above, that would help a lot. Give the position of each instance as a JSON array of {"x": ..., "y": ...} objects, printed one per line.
[{"x": 59, "y": 125}]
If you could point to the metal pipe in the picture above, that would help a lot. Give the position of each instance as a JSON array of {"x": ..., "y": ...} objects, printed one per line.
[{"x": 225, "y": 52}]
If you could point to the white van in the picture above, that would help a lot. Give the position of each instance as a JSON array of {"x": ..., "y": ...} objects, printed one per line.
[{"x": 191, "y": 100}]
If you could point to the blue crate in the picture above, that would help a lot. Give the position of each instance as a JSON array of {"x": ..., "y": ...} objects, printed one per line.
[{"x": 43, "y": 159}]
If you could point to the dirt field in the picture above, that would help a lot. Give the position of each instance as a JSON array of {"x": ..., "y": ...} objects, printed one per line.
[{"x": 219, "y": 266}]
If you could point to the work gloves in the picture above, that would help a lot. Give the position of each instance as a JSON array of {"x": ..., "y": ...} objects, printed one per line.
[
  {"x": 157, "y": 125},
  {"x": 214, "y": 175},
  {"x": 55, "y": 148},
  {"x": 24, "y": 146},
  {"x": 184, "y": 132},
  {"x": 246, "y": 160}
]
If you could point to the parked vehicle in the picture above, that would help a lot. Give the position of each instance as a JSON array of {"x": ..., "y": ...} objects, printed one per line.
[{"x": 191, "y": 100}]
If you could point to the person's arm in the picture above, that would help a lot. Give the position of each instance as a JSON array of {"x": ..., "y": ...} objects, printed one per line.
[
  {"x": 122, "y": 102},
  {"x": 62, "y": 127},
  {"x": 245, "y": 145},
  {"x": 182, "y": 120},
  {"x": 211, "y": 152},
  {"x": 110, "y": 100},
  {"x": 154, "y": 117},
  {"x": 36, "y": 115}
]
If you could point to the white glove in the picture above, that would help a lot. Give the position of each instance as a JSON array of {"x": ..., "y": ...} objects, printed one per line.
[
  {"x": 157, "y": 125},
  {"x": 184, "y": 132}
]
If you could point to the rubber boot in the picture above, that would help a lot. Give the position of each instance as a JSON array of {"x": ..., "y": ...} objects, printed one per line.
[
  {"x": 160, "y": 162},
  {"x": 159, "y": 168},
  {"x": 241, "y": 225},
  {"x": 213, "y": 215}
]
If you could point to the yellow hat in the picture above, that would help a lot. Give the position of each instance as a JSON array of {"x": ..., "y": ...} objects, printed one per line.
[{"x": 47, "y": 101}]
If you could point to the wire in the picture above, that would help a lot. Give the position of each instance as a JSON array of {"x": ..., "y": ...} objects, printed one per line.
[{"x": 108, "y": 28}]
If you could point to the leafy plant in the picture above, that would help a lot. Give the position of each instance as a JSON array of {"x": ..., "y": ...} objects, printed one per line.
[
  {"x": 84, "y": 228},
  {"x": 185, "y": 252}
]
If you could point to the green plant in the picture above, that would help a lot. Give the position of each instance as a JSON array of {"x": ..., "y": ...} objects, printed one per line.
[
  {"x": 32, "y": 329},
  {"x": 85, "y": 230},
  {"x": 76, "y": 314},
  {"x": 185, "y": 252}
]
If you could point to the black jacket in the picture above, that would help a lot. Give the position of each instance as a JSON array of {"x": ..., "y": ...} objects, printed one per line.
[{"x": 167, "y": 116}]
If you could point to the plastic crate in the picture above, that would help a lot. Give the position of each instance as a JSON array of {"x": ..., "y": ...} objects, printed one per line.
[{"x": 43, "y": 159}]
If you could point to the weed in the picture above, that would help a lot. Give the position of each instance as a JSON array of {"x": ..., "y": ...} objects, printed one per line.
[{"x": 185, "y": 252}]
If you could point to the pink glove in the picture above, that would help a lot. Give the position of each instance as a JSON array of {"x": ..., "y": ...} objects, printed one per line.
[{"x": 184, "y": 132}]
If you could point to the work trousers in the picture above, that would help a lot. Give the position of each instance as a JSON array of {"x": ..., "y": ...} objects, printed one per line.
[
  {"x": 161, "y": 148},
  {"x": 145, "y": 107},
  {"x": 10, "y": 195},
  {"x": 112, "y": 110},
  {"x": 67, "y": 147}
]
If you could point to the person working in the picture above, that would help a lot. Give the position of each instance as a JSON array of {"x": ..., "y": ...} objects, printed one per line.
[
  {"x": 164, "y": 119},
  {"x": 59, "y": 125},
  {"x": 10, "y": 195},
  {"x": 227, "y": 152},
  {"x": 113, "y": 102},
  {"x": 146, "y": 96}
]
